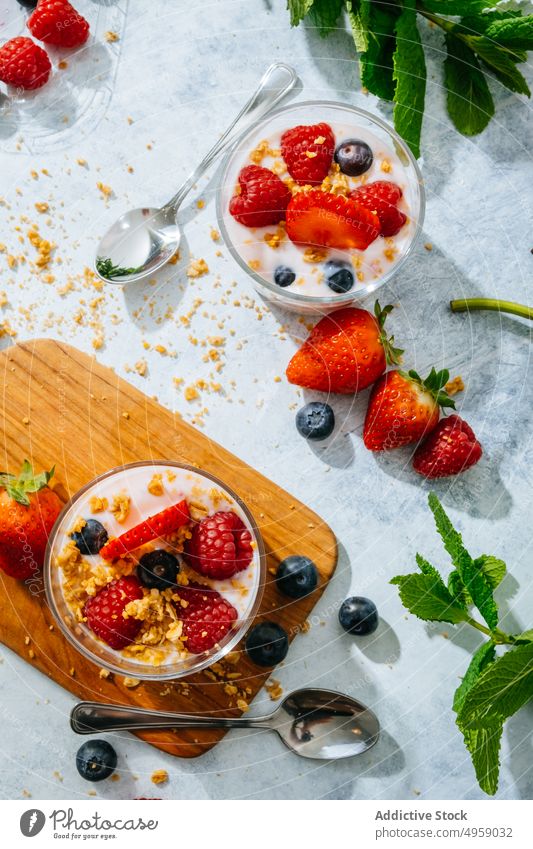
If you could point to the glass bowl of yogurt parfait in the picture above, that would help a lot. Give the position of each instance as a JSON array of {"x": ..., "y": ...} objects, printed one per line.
[
  {"x": 155, "y": 570},
  {"x": 320, "y": 203}
]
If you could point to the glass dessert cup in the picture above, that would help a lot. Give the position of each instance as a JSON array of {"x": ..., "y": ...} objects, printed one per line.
[
  {"x": 244, "y": 590},
  {"x": 245, "y": 243}
]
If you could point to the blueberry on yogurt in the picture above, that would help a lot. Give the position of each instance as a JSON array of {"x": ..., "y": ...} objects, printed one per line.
[
  {"x": 284, "y": 276},
  {"x": 354, "y": 157},
  {"x": 339, "y": 275}
]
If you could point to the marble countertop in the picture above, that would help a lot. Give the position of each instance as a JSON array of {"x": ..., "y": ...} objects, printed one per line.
[{"x": 137, "y": 115}]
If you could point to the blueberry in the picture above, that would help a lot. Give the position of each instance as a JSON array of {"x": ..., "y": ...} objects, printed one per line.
[
  {"x": 158, "y": 569},
  {"x": 267, "y": 644},
  {"x": 354, "y": 157},
  {"x": 358, "y": 615},
  {"x": 284, "y": 276},
  {"x": 297, "y": 576},
  {"x": 315, "y": 421},
  {"x": 339, "y": 275},
  {"x": 96, "y": 760},
  {"x": 92, "y": 537}
]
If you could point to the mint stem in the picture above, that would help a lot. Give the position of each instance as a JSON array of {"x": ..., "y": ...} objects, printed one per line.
[
  {"x": 467, "y": 304},
  {"x": 497, "y": 636}
]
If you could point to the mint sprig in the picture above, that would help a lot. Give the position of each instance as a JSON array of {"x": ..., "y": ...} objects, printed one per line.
[
  {"x": 495, "y": 686},
  {"x": 479, "y": 39}
]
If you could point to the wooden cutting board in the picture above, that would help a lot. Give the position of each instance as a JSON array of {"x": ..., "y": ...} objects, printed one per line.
[{"x": 60, "y": 406}]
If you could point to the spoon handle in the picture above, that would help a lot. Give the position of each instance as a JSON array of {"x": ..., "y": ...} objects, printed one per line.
[
  {"x": 275, "y": 83},
  {"x": 93, "y": 717}
]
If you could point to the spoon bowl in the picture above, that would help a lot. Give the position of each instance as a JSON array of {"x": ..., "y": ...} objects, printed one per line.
[{"x": 313, "y": 723}]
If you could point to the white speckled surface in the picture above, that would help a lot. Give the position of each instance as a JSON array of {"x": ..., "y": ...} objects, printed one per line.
[{"x": 184, "y": 68}]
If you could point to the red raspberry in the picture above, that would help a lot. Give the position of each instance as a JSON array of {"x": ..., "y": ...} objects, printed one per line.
[
  {"x": 24, "y": 64},
  {"x": 220, "y": 546},
  {"x": 207, "y": 617},
  {"x": 451, "y": 448},
  {"x": 381, "y": 197},
  {"x": 262, "y": 200},
  {"x": 308, "y": 152},
  {"x": 57, "y": 22},
  {"x": 104, "y": 612}
]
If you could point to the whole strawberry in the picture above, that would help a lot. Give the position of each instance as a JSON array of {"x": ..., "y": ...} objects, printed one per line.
[
  {"x": 57, "y": 22},
  {"x": 207, "y": 617},
  {"x": 308, "y": 152},
  {"x": 24, "y": 64},
  {"x": 262, "y": 198},
  {"x": 220, "y": 546},
  {"x": 104, "y": 612},
  {"x": 28, "y": 511},
  {"x": 451, "y": 448},
  {"x": 403, "y": 408},
  {"x": 345, "y": 352}
]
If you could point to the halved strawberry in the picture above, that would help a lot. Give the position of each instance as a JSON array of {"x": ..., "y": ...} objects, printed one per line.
[
  {"x": 162, "y": 523},
  {"x": 322, "y": 219},
  {"x": 345, "y": 352},
  {"x": 262, "y": 198},
  {"x": 308, "y": 152},
  {"x": 381, "y": 197},
  {"x": 451, "y": 448},
  {"x": 403, "y": 408}
]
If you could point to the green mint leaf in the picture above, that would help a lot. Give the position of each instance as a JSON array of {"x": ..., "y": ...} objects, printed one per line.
[
  {"x": 500, "y": 63},
  {"x": 358, "y": 15},
  {"x": 325, "y": 14},
  {"x": 455, "y": 7},
  {"x": 484, "y": 747},
  {"x": 475, "y": 581},
  {"x": 502, "y": 689},
  {"x": 376, "y": 61},
  {"x": 525, "y": 636},
  {"x": 515, "y": 33},
  {"x": 478, "y": 24},
  {"x": 427, "y": 568},
  {"x": 480, "y": 660},
  {"x": 460, "y": 594},
  {"x": 298, "y": 10},
  {"x": 493, "y": 569},
  {"x": 409, "y": 73},
  {"x": 482, "y": 743},
  {"x": 427, "y": 597},
  {"x": 468, "y": 99}
]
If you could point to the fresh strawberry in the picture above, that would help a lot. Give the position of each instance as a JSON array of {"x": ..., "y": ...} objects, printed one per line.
[
  {"x": 57, "y": 22},
  {"x": 345, "y": 352},
  {"x": 207, "y": 617},
  {"x": 220, "y": 546},
  {"x": 403, "y": 408},
  {"x": 322, "y": 219},
  {"x": 262, "y": 200},
  {"x": 451, "y": 448},
  {"x": 381, "y": 197},
  {"x": 104, "y": 612},
  {"x": 24, "y": 64},
  {"x": 308, "y": 152},
  {"x": 162, "y": 523},
  {"x": 28, "y": 511}
]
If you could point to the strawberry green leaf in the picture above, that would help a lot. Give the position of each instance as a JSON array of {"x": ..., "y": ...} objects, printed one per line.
[
  {"x": 476, "y": 583},
  {"x": 501, "y": 690},
  {"x": 500, "y": 63},
  {"x": 468, "y": 99},
  {"x": 409, "y": 73},
  {"x": 325, "y": 14},
  {"x": 26, "y": 482},
  {"x": 427, "y": 597},
  {"x": 298, "y": 10}
]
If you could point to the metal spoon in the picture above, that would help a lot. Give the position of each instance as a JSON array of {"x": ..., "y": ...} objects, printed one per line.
[
  {"x": 143, "y": 240},
  {"x": 313, "y": 723}
]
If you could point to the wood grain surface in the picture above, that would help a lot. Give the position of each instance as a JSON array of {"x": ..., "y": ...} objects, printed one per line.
[{"x": 60, "y": 406}]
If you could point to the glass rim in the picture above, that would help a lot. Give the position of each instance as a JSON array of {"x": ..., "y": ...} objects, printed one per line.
[
  {"x": 139, "y": 671},
  {"x": 343, "y": 297}
]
